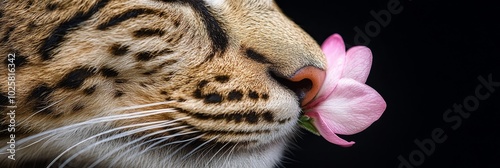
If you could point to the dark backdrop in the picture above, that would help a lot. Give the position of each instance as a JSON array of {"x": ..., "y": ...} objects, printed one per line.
[{"x": 428, "y": 58}]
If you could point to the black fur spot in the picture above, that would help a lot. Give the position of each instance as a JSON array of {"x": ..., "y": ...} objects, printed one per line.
[
  {"x": 235, "y": 117},
  {"x": 213, "y": 98},
  {"x": 163, "y": 92},
  {"x": 144, "y": 56},
  {"x": 120, "y": 80},
  {"x": 57, "y": 36},
  {"x": 146, "y": 32},
  {"x": 167, "y": 78},
  {"x": 268, "y": 116},
  {"x": 197, "y": 94},
  {"x": 253, "y": 95},
  {"x": 17, "y": 60},
  {"x": 90, "y": 90},
  {"x": 40, "y": 97},
  {"x": 75, "y": 78},
  {"x": 108, "y": 72},
  {"x": 32, "y": 26},
  {"x": 170, "y": 39},
  {"x": 119, "y": 93},
  {"x": 265, "y": 96},
  {"x": 252, "y": 54},
  {"x": 7, "y": 34},
  {"x": 41, "y": 92},
  {"x": 29, "y": 4},
  {"x": 168, "y": 63},
  {"x": 235, "y": 95},
  {"x": 118, "y": 50},
  {"x": 78, "y": 107},
  {"x": 4, "y": 100},
  {"x": 284, "y": 120},
  {"x": 177, "y": 23},
  {"x": 148, "y": 55},
  {"x": 252, "y": 118},
  {"x": 222, "y": 78},
  {"x": 202, "y": 84},
  {"x": 52, "y": 6},
  {"x": 150, "y": 72}
]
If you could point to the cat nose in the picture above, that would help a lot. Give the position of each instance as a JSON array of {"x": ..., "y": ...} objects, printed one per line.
[
  {"x": 306, "y": 83},
  {"x": 309, "y": 80}
]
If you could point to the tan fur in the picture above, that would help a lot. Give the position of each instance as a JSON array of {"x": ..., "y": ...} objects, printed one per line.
[{"x": 255, "y": 24}]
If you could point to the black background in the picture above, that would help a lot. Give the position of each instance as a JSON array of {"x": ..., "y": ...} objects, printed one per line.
[{"x": 426, "y": 59}]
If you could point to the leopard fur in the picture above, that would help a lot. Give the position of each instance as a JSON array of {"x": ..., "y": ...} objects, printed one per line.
[{"x": 102, "y": 82}]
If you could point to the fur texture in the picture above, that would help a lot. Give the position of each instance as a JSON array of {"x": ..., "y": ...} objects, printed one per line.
[{"x": 151, "y": 83}]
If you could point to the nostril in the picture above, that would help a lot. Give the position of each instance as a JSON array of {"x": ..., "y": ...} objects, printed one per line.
[
  {"x": 300, "y": 88},
  {"x": 305, "y": 83}
]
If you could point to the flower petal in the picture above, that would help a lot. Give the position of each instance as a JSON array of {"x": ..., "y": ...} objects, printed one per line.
[
  {"x": 334, "y": 49},
  {"x": 351, "y": 108},
  {"x": 326, "y": 132},
  {"x": 358, "y": 63}
]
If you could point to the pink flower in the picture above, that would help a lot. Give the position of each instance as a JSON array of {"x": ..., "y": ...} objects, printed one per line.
[{"x": 344, "y": 104}]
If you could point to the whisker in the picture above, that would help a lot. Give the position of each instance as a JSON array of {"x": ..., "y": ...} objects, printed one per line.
[
  {"x": 163, "y": 139},
  {"x": 135, "y": 141},
  {"x": 116, "y": 158},
  {"x": 229, "y": 154},
  {"x": 155, "y": 123},
  {"x": 207, "y": 150},
  {"x": 198, "y": 147},
  {"x": 191, "y": 140},
  {"x": 93, "y": 122},
  {"x": 141, "y": 106},
  {"x": 33, "y": 143},
  {"x": 43, "y": 109},
  {"x": 217, "y": 152}
]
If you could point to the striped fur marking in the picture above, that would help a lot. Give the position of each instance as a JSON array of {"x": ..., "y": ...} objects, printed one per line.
[
  {"x": 40, "y": 97},
  {"x": 75, "y": 78},
  {"x": 216, "y": 33},
  {"x": 147, "y": 32},
  {"x": 129, "y": 14},
  {"x": 118, "y": 50},
  {"x": 250, "y": 117},
  {"x": 57, "y": 36},
  {"x": 254, "y": 55}
]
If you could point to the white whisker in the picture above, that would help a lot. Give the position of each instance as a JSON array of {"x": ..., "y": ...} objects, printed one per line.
[
  {"x": 137, "y": 140},
  {"x": 109, "y": 131},
  {"x": 198, "y": 147},
  {"x": 180, "y": 141},
  {"x": 141, "y": 106},
  {"x": 45, "y": 108},
  {"x": 226, "y": 160},
  {"x": 217, "y": 152},
  {"x": 191, "y": 140},
  {"x": 33, "y": 143},
  {"x": 166, "y": 138},
  {"x": 122, "y": 154},
  {"x": 93, "y": 122}
]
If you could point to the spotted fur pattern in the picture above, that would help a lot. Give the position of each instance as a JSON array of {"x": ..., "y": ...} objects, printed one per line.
[{"x": 151, "y": 83}]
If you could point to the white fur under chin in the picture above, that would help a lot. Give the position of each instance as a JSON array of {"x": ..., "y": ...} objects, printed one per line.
[
  {"x": 266, "y": 156},
  {"x": 262, "y": 158}
]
